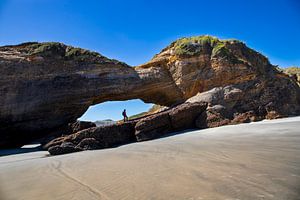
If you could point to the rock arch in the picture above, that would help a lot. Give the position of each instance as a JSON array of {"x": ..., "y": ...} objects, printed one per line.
[{"x": 58, "y": 83}]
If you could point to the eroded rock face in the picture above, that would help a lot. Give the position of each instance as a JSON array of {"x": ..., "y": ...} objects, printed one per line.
[
  {"x": 66, "y": 147},
  {"x": 153, "y": 126},
  {"x": 97, "y": 137},
  {"x": 231, "y": 105},
  {"x": 183, "y": 116},
  {"x": 178, "y": 118},
  {"x": 89, "y": 144},
  {"x": 45, "y": 86},
  {"x": 80, "y": 125},
  {"x": 68, "y": 130}
]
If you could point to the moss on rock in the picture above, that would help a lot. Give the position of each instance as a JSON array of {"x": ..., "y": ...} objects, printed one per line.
[
  {"x": 47, "y": 49},
  {"x": 193, "y": 46},
  {"x": 79, "y": 54},
  {"x": 56, "y": 49},
  {"x": 205, "y": 44}
]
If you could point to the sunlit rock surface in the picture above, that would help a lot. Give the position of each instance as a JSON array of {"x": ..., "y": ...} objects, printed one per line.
[{"x": 45, "y": 86}]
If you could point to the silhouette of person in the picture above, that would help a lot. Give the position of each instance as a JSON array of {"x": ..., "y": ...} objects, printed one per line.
[{"x": 125, "y": 118}]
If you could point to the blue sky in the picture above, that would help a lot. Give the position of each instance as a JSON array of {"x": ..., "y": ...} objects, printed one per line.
[{"x": 133, "y": 31}]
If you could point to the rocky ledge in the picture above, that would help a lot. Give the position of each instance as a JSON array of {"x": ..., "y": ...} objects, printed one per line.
[
  {"x": 46, "y": 86},
  {"x": 180, "y": 117}
]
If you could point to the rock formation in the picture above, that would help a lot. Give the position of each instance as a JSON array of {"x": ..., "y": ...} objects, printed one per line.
[
  {"x": 293, "y": 72},
  {"x": 80, "y": 125},
  {"x": 67, "y": 130},
  {"x": 178, "y": 118},
  {"x": 239, "y": 84},
  {"x": 45, "y": 86}
]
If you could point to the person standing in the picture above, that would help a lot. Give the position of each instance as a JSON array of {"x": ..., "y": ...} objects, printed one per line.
[{"x": 125, "y": 118}]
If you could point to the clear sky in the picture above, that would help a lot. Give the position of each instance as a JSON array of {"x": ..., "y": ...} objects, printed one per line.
[{"x": 134, "y": 30}]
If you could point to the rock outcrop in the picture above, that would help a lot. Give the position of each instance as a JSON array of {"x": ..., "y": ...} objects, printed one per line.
[
  {"x": 67, "y": 130},
  {"x": 79, "y": 126},
  {"x": 64, "y": 148},
  {"x": 178, "y": 118},
  {"x": 45, "y": 86},
  {"x": 293, "y": 72},
  {"x": 239, "y": 84},
  {"x": 107, "y": 136}
]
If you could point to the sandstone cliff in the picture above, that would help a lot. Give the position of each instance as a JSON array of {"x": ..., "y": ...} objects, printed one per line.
[
  {"x": 228, "y": 75},
  {"x": 45, "y": 86}
]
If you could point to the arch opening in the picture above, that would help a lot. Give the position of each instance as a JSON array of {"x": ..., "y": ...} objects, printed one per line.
[{"x": 111, "y": 111}]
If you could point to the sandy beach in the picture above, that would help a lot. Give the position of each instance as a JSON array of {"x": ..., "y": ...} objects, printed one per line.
[{"x": 249, "y": 161}]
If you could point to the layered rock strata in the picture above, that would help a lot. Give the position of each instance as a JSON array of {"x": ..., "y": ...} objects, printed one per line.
[
  {"x": 150, "y": 127},
  {"x": 45, "y": 86}
]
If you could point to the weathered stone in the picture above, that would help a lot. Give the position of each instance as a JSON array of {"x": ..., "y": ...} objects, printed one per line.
[
  {"x": 81, "y": 125},
  {"x": 45, "y": 86},
  {"x": 39, "y": 97},
  {"x": 200, "y": 121},
  {"x": 66, "y": 147},
  {"x": 57, "y": 141},
  {"x": 225, "y": 97},
  {"x": 89, "y": 144},
  {"x": 97, "y": 137},
  {"x": 113, "y": 135},
  {"x": 54, "y": 139},
  {"x": 184, "y": 116},
  {"x": 180, "y": 117},
  {"x": 215, "y": 119},
  {"x": 153, "y": 126},
  {"x": 246, "y": 117}
]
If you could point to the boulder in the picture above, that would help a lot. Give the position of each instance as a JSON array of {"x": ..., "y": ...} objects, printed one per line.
[
  {"x": 184, "y": 116},
  {"x": 69, "y": 129},
  {"x": 246, "y": 117},
  {"x": 65, "y": 147},
  {"x": 180, "y": 117},
  {"x": 54, "y": 142},
  {"x": 113, "y": 135},
  {"x": 96, "y": 138},
  {"x": 153, "y": 126},
  {"x": 89, "y": 144},
  {"x": 213, "y": 119},
  {"x": 80, "y": 125}
]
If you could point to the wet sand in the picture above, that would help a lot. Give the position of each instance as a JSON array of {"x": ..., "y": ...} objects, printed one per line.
[{"x": 249, "y": 161}]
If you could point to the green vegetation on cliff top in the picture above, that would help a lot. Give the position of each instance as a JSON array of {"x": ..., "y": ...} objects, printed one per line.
[
  {"x": 50, "y": 49},
  {"x": 196, "y": 45},
  {"x": 231, "y": 50}
]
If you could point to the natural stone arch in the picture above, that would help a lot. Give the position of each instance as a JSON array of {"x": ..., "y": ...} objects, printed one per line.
[
  {"x": 47, "y": 85},
  {"x": 43, "y": 95}
]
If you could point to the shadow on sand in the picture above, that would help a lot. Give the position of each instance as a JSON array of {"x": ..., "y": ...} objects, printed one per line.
[
  {"x": 37, "y": 147},
  {"x": 24, "y": 149}
]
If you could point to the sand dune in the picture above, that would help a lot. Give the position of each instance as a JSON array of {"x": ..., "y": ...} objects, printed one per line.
[{"x": 249, "y": 161}]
